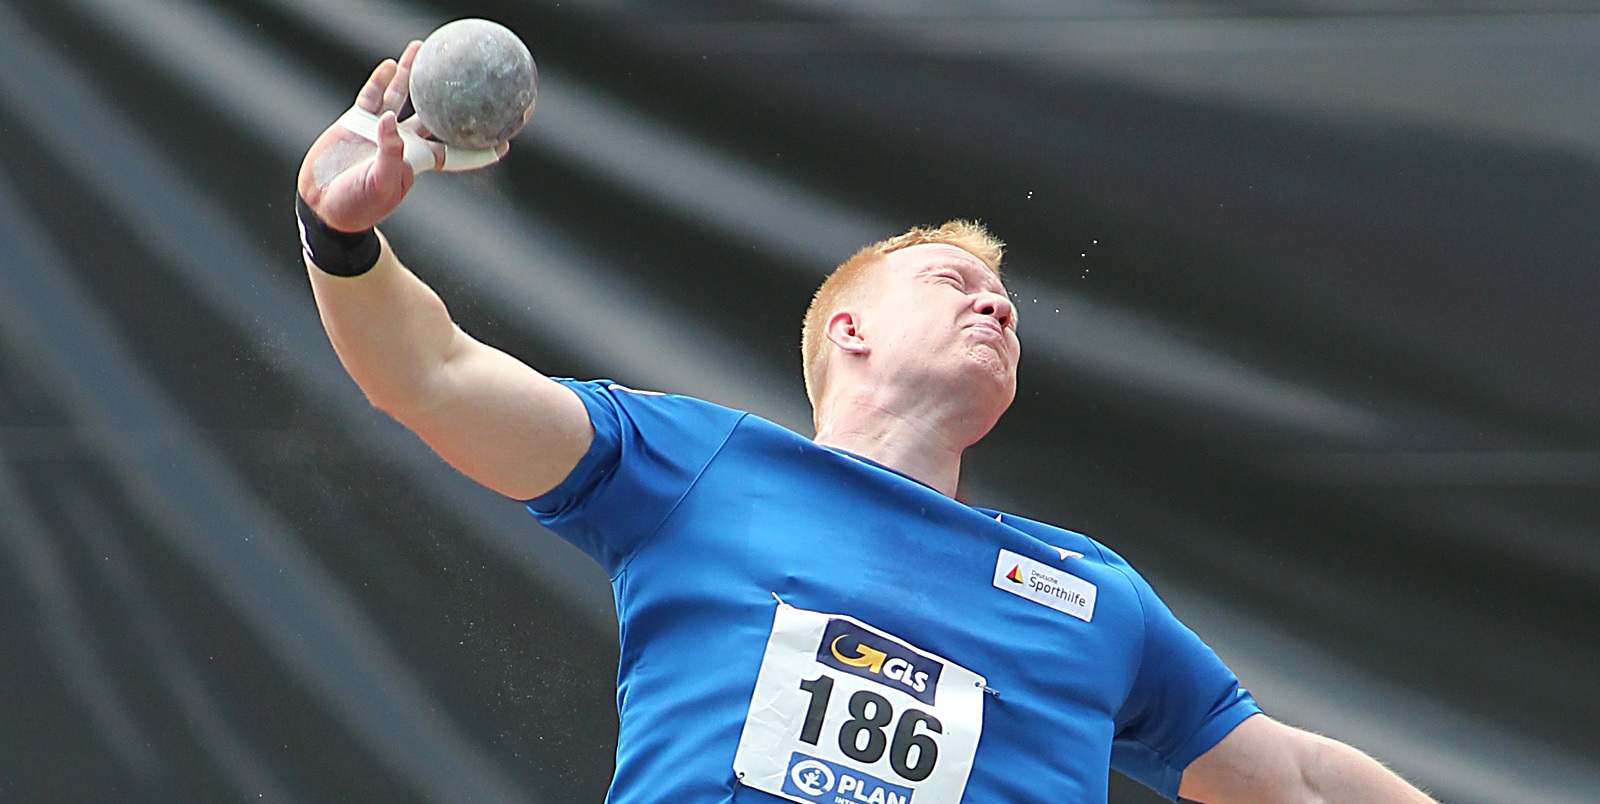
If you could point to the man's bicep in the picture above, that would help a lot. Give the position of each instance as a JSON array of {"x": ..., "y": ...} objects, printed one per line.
[
  {"x": 1258, "y": 761},
  {"x": 501, "y": 423}
]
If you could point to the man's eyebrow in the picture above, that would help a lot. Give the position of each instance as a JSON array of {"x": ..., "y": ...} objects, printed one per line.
[
  {"x": 988, "y": 273},
  {"x": 966, "y": 271}
]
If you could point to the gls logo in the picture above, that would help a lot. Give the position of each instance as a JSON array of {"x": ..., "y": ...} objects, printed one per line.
[{"x": 848, "y": 647}]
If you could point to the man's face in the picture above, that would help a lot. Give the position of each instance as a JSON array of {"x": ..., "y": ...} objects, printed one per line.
[{"x": 936, "y": 316}]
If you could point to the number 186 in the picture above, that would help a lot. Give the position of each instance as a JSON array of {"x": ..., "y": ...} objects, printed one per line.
[{"x": 864, "y": 737}]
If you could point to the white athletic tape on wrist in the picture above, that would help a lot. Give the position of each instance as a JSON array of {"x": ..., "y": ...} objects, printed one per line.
[{"x": 418, "y": 151}]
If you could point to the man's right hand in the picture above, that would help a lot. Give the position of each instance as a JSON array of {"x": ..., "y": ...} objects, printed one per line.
[{"x": 351, "y": 183}]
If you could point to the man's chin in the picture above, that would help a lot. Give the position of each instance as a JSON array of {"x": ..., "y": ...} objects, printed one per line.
[
  {"x": 995, "y": 385},
  {"x": 994, "y": 366}
]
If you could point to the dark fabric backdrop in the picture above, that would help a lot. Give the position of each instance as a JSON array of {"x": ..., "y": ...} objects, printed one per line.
[{"x": 1307, "y": 297}]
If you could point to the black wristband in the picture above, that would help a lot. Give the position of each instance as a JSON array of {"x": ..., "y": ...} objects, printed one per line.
[{"x": 335, "y": 252}]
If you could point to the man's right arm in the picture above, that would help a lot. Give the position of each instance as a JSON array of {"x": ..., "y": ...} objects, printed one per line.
[{"x": 489, "y": 415}]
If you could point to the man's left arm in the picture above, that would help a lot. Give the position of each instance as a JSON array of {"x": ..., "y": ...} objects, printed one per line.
[{"x": 1264, "y": 761}]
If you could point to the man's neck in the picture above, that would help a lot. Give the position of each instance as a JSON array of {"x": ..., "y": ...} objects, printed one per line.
[{"x": 915, "y": 443}]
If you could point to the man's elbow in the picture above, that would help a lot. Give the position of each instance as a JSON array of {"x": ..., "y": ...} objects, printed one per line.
[
  {"x": 1314, "y": 760},
  {"x": 1332, "y": 771}
]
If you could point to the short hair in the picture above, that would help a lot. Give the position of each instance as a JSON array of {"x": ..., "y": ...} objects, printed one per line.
[{"x": 843, "y": 285}]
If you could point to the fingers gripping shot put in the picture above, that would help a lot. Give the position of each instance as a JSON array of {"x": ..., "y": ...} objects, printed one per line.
[
  {"x": 473, "y": 84},
  {"x": 812, "y": 620}
]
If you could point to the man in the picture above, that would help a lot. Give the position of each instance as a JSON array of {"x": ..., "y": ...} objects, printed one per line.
[{"x": 817, "y": 620}]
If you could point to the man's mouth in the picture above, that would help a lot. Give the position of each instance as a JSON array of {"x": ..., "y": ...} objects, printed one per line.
[{"x": 989, "y": 326}]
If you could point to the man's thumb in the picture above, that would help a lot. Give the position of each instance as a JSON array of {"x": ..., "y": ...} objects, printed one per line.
[{"x": 389, "y": 165}]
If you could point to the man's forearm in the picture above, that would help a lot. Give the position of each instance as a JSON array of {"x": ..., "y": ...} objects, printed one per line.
[
  {"x": 1339, "y": 774},
  {"x": 390, "y": 330},
  {"x": 1263, "y": 761}
]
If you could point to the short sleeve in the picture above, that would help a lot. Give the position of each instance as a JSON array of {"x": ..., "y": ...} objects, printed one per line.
[
  {"x": 1184, "y": 700},
  {"x": 648, "y": 450}
]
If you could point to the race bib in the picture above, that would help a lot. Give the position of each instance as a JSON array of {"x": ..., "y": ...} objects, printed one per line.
[{"x": 846, "y": 714}]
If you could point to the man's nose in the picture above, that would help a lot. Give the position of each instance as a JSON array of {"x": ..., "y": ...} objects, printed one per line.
[{"x": 997, "y": 305}]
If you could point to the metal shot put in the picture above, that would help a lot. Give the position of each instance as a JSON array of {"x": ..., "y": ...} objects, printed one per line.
[{"x": 474, "y": 83}]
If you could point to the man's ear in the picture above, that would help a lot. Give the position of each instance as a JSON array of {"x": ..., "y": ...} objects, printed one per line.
[{"x": 844, "y": 331}]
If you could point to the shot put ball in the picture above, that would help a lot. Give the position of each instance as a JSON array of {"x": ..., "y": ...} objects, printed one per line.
[{"x": 473, "y": 83}]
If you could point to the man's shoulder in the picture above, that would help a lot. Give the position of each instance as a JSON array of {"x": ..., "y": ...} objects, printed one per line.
[
  {"x": 609, "y": 387},
  {"x": 1074, "y": 545},
  {"x": 606, "y": 396},
  {"x": 1077, "y": 544}
]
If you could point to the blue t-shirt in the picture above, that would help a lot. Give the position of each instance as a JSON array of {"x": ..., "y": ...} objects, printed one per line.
[{"x": 702, "y": 515}]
